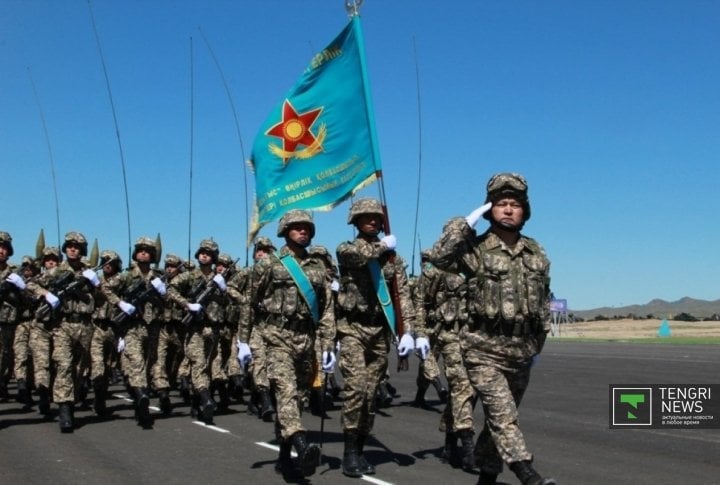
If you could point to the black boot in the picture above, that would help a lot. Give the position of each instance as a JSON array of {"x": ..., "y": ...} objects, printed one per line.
[
  {"x": 195, "y": 406},
  {"x": 223, "y": 396},
  {"x": 142, "y": 408},
  {"x": 23, "y": 393},
  {"x": 318, "y": 402},
  {"x": 165, "y": 404},
  {"x": 308, "y": 454},
  {"x": 43, "y": 400},
  {"x": 284, "y": 466},
  {"x": 467, "y": 450},
  {"x": 449, "y": 452},
  {"x": 383, "y": 396},
  {"x": 65, "y": 417},
  {"x": 207, "y": 406},
  {"x": 185, "y": 389},
  {"x": 254, "y": 404},
  {"x": 527, "y": 474},
  {"x": 422, "y": 386},
  {"x": 236, "y": 388},
  {"x": 487, "y": 478},
  {"x": 441, "y": 391},
  {"x": 365, "y": 467},
  {"x": 351, "y": 455},
  {"x": 99, "y": 401},
  {"x": 266, "y": 405}
]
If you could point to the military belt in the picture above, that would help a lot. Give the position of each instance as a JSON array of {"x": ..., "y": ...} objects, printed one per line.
[{"x": 508, "y": 328}]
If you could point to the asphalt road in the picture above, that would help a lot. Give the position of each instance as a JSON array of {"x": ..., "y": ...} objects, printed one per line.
[{"x": 564, "y": 418}]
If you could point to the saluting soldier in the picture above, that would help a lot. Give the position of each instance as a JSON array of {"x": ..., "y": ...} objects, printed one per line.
[
  {"x": 508, "y": 278},
  {"x": 201, "y": 293},
  {"x": 294, "y": 295},
  {"x": 139, "y": 294},
  {"x": 73, "y": 304},
  {"x": 368, "y": 267}
]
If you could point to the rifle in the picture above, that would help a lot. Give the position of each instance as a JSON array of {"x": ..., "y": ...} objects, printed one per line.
[
  {"x": 139, "y": 293},
  {"x": 208, "y": 289},
  {"x": 65, "y": 284}
]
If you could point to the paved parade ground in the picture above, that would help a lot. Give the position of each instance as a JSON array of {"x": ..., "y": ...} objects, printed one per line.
[{"x": 564, "y": 417}]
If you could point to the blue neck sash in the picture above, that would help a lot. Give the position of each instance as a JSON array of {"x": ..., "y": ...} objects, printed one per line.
[
  {"x": 383, "y": 293},
  {"x": 303, "y": 283}
]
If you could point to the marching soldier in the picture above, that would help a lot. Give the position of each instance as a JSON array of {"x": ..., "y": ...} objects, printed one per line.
[
  {"x": 139, "y": 294},
  {"x": 441, "y": 302},
  {"x": 201, "y": 293},
  {"x": 10, "y": 309},
  {"x": 292, "y": 291},
  {"x": 21, "y": 345},
  {"x": 368, "y": 267},
  {"x": 225, "y": 334},
  {"x": 171, "y": 339},
  {"x": 69, "y": 294},
  {"x": 509, "y": 289},
  {"x": 103, "y": 346}
]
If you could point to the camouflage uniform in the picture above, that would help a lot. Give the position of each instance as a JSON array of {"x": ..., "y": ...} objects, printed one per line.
[
  {"x": 441, "y": 301},
  {"x": 238, "y": 312},
  {"x": 41, "y": 335},
  {"x": 363, "y": 330},
  {"x": 290, "y": 331},
  {"x": 72, "y": 334},
  {"x": 170, "y": 343},
  {"x": 201, "y": 337},
  {"x": 21, "y": 347},
  {"x": 10, "y": 311},
  {"x": 508, "y": 303},
  {"x": 103, "y": 346},
  {"x": 127, "y": 288}
]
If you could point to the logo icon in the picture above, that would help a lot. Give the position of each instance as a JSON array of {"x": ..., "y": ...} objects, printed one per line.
[
  {"x": 631, "y": 406},
  {"x": 294, "y": 130}
]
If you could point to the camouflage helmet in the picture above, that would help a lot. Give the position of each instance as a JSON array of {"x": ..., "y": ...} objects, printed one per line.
[
  {"x": 225, "y": 259},
  {"x": 172, "y": 260},
  {"x": 108, "y": 255},
  {"x": 365, "y": 205},
  {"x": 145, "y": 242},
  {"x": 425, "y": 255},
  {"x": 51, "y": 252},
  {"x": 6, "y": 240},
  {"x": 29, "y": 262},
  {"x": 211, "y": 247},
  {"x": 295, "y": 216},
  {"x": 77, "y": 238},
  {"x": 507, "y": 184},
  {"x": 263, "y": 242}
]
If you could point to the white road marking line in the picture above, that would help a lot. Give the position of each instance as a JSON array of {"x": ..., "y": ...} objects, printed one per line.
[
  {"x": 125, "y": 398},
  {"x": 212, "y": 427}
]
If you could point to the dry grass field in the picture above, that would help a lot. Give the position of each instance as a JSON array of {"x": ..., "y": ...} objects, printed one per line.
[{"x": 637, "y": 329}]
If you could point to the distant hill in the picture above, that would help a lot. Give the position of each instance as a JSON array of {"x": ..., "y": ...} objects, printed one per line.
[{"x": 657, "y": 308}]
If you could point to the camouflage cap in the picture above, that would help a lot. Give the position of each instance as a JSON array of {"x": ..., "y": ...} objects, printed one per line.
[
  {"x": 6, "y": 240},
  {"x": 263, "y": 242},
  {"x": 365, "y": 205},
  {"x": 209, "y": 246},
  {"x": 27, "y": 261},
  {"x": 108, "y": 255},
  {"x": 508, "y": 184},
  {"x": 77, "y": 238},
  {"x": 295, "y": 216}
]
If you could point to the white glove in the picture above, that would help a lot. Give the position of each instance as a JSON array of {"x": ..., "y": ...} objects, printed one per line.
[
  {"x": 244, "y": 353},
  {"x": 335, "y": 285},
  {"x": 159, "y": 286},
  {"x": 126, "y": 307},
  {"x": 91, "y": 276},
  {"x": 423, "y": 345},
  {"x": 220, "y": 282},
  {"x": 16, "y": 280},
  {"x": 407, "y": 343},
  {"x": 475, "y": 215},
  {"x": 52, "y": 300},
  {"x": 337, "y": 348},
  {"x": 390, "y": 241},
  {"x": 121, "y": 345},
  {"x": 194, "y": 307},
  {"x": 328, "y": 362}
]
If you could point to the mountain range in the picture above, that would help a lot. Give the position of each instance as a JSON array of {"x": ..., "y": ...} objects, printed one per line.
[{"x": 657, "y": 308}]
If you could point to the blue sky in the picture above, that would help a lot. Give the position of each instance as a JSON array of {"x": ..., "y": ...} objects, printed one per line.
[{"x": 611, "y": 109}]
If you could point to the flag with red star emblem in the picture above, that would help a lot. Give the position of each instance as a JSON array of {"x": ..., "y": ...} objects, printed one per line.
[{"x": 317, "y": 147}]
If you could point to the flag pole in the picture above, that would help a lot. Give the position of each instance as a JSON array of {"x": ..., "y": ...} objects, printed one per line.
[{"x": 353, "y": 9}]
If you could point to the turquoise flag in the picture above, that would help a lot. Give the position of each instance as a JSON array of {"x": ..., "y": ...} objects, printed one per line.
[{"x": 318, "y": 147}]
